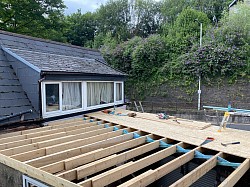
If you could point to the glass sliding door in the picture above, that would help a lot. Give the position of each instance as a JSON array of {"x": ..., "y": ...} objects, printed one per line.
[
  {"x": 52, "y": 97},
  {"x": 99, "y": 93},
  {"x": 71, "y": 95}
]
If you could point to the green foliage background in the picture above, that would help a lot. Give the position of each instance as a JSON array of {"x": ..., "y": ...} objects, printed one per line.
[{"x": 154, "y": 42}]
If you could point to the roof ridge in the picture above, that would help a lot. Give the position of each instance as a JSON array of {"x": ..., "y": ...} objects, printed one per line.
[{"x": 46, "y": 40}]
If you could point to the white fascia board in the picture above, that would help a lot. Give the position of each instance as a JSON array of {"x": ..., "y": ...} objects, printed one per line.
[{"x": 21, "y": 59}]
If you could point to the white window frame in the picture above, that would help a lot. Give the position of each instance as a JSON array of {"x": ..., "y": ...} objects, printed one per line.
[
  {"x": 77, "y": 109},
  {"x": 60, "y": 111},
  {"x": 84, "y": 98},
  {"x": 44, "y": 112},
  {"x": 102, "y": 105},
  {"x": 122, "y": 100},
  {"x": 27, "y": 180}
]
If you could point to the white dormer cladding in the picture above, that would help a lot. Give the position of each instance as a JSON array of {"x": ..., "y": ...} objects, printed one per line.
[{"x": 66, "y": 97}]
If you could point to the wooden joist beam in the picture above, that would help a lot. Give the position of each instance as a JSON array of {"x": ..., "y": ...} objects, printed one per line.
[
  {"x": 79, "y": 160},
  {"x": 49, "y": 141},
  {"x": 81, "y": 142},
  {"x": 104, "y": 163},
  {"x": 43, "y": 132},
  {"x": 52, "y": 139},
  {"x": 15, "y": 144},
  {"x": 60, "y": 122},
  {"x": 36, "y": 173},
  {"x": 197, "y": 173},
  {"x": 153, "y": 175},
  {"x": 74, "y": 133},
  {"x": 29, "y": 155},
  {"x": 129, "y": 168},
  {"x": 100, "y": 165},
  {"x": 49, "y": 159},
  {"x": 89, "y": 131},
  {"x": 235, "y": 176}
]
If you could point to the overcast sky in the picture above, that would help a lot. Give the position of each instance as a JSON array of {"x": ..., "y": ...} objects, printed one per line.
[{"x": 84, "y": 5}]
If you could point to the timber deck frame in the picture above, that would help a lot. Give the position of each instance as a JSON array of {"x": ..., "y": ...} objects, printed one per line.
[{"x": 99, "y": 149}]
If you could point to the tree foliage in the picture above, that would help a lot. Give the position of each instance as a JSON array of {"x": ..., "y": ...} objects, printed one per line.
[
  {"x": 81, "y": 28},
  {"x": 113, "y": 17},
  {"x": 186, "y": 30},
  {"x": 42, "y": 18},
  {"x": 226, "y": 49},
  {"x": 152, "y": 41}
]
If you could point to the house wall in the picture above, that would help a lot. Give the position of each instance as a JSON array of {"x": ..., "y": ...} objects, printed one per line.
[
  {"x": 10, "y": 177},
  {"x": 28, "y": 78}
]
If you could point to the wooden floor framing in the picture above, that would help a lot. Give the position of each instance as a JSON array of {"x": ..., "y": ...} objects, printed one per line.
[{"x": 101, "y": 149}]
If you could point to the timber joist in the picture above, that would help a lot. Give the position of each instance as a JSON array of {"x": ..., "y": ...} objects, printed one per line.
[{"x": 93, "y": 151}]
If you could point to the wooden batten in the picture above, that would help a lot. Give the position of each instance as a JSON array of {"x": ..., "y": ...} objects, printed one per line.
[
  {"x": 106, "y": 162},
  {"x": 129, "y": 168},
  {"x": 197, "y": 173},
  {"x": 146, "y": 179},
  {"x": 48, "y": 159},
  {"x": 234, "y": 177},
  {"x": 82, "y": 159}
]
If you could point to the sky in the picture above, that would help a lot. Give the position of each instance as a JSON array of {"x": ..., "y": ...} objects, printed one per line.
[{"x": 84, "y": 5}]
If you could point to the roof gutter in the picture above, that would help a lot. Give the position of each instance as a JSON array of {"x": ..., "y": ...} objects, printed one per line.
[
  {"x": 78, "y": 73},
  {"x": 15, "y": 115},
  {"x": 14, "y": 55}
]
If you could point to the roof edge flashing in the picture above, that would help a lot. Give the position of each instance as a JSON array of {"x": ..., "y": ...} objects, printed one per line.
[
  {"x": 78, "y": 73},
  {"x": 21, "y": 59}
]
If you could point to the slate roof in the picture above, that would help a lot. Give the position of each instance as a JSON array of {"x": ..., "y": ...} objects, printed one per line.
[
  {"x": 12, "y": 97},
  {"x": 67, "y": 64},
  {"x": 18, "y": 41}
]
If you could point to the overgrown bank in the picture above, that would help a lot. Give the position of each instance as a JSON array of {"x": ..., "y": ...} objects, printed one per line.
[{"x": 176, "y": 59}]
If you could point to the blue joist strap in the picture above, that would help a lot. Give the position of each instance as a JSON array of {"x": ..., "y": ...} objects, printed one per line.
[
  {"x": 136, "y": 135},
  {"x": 91, "y": 120},
  {"x": 149, "y": 140},
  {"x": 164, "y": 144},
  {"x": 224, "y": 162},
  {"x": 106, "y": 126},
  {"x": 99, "y": 122},
  {"x": 84, "y": 118},
  {"x": 124, "y": 132},
  {"x": 220, "y": 161},
  {"x": 198, "y": 154},
  {"x": 115, "y": 128},
  {"x": 180, "y": 149}
]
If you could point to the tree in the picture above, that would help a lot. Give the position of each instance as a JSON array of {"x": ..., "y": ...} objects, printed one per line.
[
  {"x": 186, "y": 31},
  {"x": 145, "y": 17},
  {"x": 42, "y": 18},
  {"x": 213, "y": 8},
  {"x": 225, "y": 51},
  {"x": 170, "y": 9},
  {"x": 114, "y": 17},
  {"x": 81, "y": 29}
]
